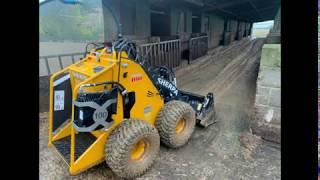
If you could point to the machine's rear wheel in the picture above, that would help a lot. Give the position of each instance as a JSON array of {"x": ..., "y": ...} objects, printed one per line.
[
  {"x": 132, "y": 148},
  {"x": 175, "y": 123}
]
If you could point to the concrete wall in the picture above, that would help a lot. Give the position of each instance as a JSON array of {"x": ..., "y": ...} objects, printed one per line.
[
  {"x": 243, "y": 28},
  {"x": 111, "y": 14},
  {"x": 247, "y": 29},
  {"x": 266, "y": 120},
  {"x": 181, "y": 26},
  {"x": 175, "y": 20},
  {"x": 240, "y": 30},
  {"x": 277, "y": 22},
  {"x": 233, "y": 29},
  {"x": 143, "y": 26},
  {"x": 133, "y": 15},
  {"x": 274, "y": 37},
  {"x": 216, "y": 31},
  {"x": 216, "y": 28}
]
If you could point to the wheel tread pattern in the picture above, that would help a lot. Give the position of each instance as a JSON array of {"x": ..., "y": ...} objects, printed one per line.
[
  {"x": 119, "y": 143},
  {"x": 167, "y": 119}
]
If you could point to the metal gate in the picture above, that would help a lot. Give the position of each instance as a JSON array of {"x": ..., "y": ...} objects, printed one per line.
[
  {"x": 198, "y": 47},
  {"x": 165, "y": 53},
  {"x": 56, "y": 62}
]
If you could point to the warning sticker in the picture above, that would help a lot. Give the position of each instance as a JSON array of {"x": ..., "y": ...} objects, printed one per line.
[
  {"x": 58, "y": 100},
  {"x": 136, "y": 77}
]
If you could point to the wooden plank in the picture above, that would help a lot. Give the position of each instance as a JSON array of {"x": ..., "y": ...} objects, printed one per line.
[
  {"x": 154, "y": 54},
  {"x": 141, "y": 52},
  {"x": 170, "y": 55},
  {"x": 165, "y": 59},
  {"x": 72, "y": 58},
  {"x": 158, "y": 52},
  {"x": 167, "y": 54},
  {"x": 164, "y": 54},
  {"x": 60, "y": 62},
  {"x": 149, "y": 51},
  {"x": 198, "y": 48},
  {"x": 190, "y": 51},
  {"x": 47, "y": 65},
  {"x": 194, "y": 47},
  {"x": 194, "y": 53},
  {"x": 174, "y": 53},
  {"x": 176, "y": 59},
  {"x": 151, "y": 54},
  {"x": 161, "y": 54},
  {"x": 177, "y": 53},
  {"x": 144, "y": 54}
]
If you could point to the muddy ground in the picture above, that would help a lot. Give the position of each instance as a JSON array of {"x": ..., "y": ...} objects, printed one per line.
[{"x": 213, "y": 153}]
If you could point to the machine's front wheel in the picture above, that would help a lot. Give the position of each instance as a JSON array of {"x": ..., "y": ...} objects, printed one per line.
[
  {"x": 132, "y": 148},
  {"x": 175, "y": 123}
]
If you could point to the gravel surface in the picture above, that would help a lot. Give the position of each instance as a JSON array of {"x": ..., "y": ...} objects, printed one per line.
[{"x": 225, "y": 150}]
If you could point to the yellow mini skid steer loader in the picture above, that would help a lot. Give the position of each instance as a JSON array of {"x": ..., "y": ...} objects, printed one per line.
[{"x": 112, "y": 106}]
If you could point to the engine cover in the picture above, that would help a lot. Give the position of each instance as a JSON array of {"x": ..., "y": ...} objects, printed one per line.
[{"x": 93, "y": 110}]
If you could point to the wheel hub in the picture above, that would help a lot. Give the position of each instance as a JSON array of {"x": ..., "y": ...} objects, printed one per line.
[
  {"x": 138, "y": 150},
  {"x": 180, "y": 126}
]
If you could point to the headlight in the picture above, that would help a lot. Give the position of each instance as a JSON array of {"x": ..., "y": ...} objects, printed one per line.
[{"x": 81, "y": 115}]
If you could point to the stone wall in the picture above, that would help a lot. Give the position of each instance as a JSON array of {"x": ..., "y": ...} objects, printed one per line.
[{"x": 266, "y": 119}]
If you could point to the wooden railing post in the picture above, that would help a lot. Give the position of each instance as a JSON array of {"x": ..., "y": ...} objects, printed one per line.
[
  {"x": 60, "y": 63},
  {"x": 47, "y": 65}
]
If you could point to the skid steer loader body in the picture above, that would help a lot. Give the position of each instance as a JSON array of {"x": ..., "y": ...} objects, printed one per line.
[{"x": 90, "y": 98}]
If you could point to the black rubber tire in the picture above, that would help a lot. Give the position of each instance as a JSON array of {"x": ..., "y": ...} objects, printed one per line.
[
  {"x": 167, "y": 120},
  {"x": 122, "y": 140}
]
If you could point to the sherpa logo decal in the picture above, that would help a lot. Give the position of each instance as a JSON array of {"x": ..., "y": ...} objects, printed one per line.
[{"x": 168, "y": 85}]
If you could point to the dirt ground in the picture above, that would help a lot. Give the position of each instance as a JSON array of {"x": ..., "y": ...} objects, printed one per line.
[{"x": 212, "y": 153}]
